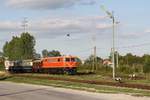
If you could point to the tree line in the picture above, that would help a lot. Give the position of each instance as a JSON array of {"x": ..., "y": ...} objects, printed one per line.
[
  {"x": 127, "y": 64},
  {"x": 20, "y": 47},
  {"x": 23, "y": 47},
  {"x": 136, "y": 63}
]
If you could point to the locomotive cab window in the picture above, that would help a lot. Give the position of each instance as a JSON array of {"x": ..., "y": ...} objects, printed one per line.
[
  {"x": 67, "y": 59},
  {"x": 73, "y": 59},
  {"x": 78, "y": 60},
  {"x": 58, "y": 60}
]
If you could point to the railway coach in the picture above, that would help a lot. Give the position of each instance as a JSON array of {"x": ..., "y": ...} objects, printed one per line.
[{"x": 19, "y": 66}]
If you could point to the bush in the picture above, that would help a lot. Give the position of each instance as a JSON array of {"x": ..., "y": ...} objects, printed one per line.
[
  {"x": 146, "y": 67},
  {"x": 126, "y": 69},
  {"x": 4, "y": 75},
  {"x": 2, "y": 68}
]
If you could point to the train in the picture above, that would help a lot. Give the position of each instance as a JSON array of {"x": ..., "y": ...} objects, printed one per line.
[{"x": 60, "y": 64}]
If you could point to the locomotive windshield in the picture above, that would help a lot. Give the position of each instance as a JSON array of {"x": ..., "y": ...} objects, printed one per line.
[
  {"x": 72, "y": 60},
  {"x": 77, "y": 60}
]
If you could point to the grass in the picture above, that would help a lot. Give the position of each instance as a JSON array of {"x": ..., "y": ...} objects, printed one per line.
[
  {"x": 3, "y": 75},
  {"x": 2, "y": 67},
  {"x": 80, "y": 77},
  {"x": 94, "y": 77},
  {"x": 80, "y": 86}
]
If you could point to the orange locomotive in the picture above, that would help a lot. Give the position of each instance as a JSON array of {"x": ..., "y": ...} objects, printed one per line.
[{"x": 62, "y": 64}]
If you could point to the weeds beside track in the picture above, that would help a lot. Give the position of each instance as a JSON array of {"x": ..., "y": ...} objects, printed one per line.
[{"x": 96, "y": 82}]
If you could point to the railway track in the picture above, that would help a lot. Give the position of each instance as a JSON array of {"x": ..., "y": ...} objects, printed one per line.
[{"x": 116, "y": 84}]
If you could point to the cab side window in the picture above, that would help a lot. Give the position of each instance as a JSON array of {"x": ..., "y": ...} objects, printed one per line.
[
  {"x": 58, "y": 60},
  {"x": 67, "y": 59},
  {"x": 73, "y": 59}
]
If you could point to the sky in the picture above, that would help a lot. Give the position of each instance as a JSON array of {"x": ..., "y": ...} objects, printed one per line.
[{"x": 49, "y": 21}]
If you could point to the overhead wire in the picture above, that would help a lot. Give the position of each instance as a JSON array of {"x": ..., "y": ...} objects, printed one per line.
[{"x": 134, "y": 46}]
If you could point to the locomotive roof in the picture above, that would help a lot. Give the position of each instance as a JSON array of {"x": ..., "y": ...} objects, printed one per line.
[{"x": 59, "y": 57}]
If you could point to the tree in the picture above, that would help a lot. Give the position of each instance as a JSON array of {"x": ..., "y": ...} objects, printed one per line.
[
  {"x": 6, "y": 49},
  {"x": 20, "y": 47},
  {"x": 37, "y": 56},
  {"x": 27, "y": 45},
  {"x": 45, "y": 53},
  {"x": 54, "y": 53},
  {"x": 92, "y": 63},
  {"x": 146, "y": 67},
  {"x": 1, "y": 54},
  {"x": 15, "y": 49},
  {"x": 91, "y": 58}
]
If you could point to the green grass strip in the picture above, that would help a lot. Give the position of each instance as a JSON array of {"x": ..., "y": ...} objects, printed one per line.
[{"x": 80, "y": 86}]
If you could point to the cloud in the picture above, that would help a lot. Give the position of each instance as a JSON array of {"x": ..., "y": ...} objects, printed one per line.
[
  {"x": 103, "y": 26},
  {"x": 9, "y": 25},
  {"x": 147, "y": 31},
  {"x": 61, "y": 26},
  {"x": 47, "y": 4},
  {"x": 47, "y": 27}
]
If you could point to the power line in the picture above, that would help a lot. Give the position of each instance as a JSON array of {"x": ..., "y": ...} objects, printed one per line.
[
  {"x": 131, "y": 46},
  {"x": 134, "y": 46},
  {"x": 85, "y": 50}
]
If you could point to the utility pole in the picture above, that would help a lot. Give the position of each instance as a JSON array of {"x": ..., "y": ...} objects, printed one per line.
[
  {"x": 94, "y": 62},
  {"x": 111, "y": 15},
  {"x": 93, "y": 50},
  {"x": 95, "y": 58},
  {"x": 25, "y": 24},
  {"x": 113, "y": 48},
  {"x": 117, "y": 59}
]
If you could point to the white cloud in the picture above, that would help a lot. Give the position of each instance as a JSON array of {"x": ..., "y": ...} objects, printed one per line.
[
  {"x": 147, "y": 31},
  {"x": 47, "y": 4},
  {"x": 103, "y": 26},
  {"x": 134, "y": 35},
  {"x": 9, "y": 25},
  {"x": 59, "y": 26}
]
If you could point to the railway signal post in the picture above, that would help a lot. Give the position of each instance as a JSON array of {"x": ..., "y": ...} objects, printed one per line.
[{"x": 111, "y": 15}]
